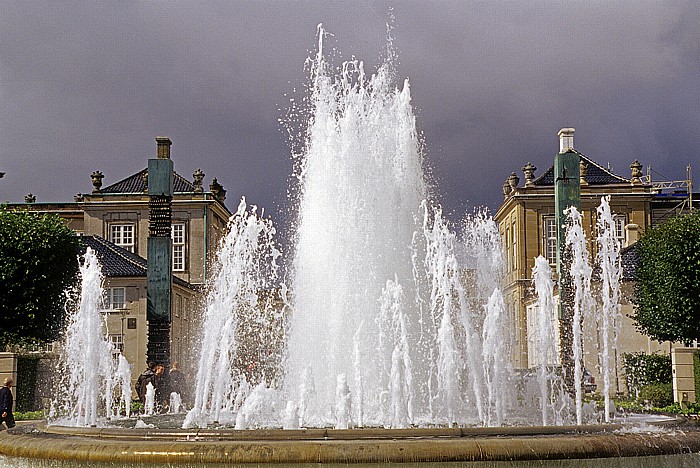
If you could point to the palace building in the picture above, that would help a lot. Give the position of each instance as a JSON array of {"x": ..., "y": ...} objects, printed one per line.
[
  {"x": 114, "y": 222},
  {"x": 526, "y": 220}
]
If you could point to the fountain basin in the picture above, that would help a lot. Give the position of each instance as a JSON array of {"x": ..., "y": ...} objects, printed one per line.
[{"x": 415, "y": 445}]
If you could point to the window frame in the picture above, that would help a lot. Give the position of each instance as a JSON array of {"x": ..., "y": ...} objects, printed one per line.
[
  {"x": 108, "y": 299},
  {"x": 118, "y": 240},
  {"x": 117, "y": 341},
  {"x": 620, "y": 233},
  {"x": 514, "y": 242},
  {"x": 179, "y": 247},
  {"x": 549, "y": 240}
]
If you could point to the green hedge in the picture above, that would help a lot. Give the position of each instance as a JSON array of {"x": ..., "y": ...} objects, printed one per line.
[
  {"x": 696, "y": 373},
  {"x": 644, "y": 369},
  {"x": 26, "y": 382},
  {"x": 657, "y": 394}
]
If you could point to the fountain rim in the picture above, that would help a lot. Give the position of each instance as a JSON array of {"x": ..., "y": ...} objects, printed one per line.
[{"x": 89, "y": 444}]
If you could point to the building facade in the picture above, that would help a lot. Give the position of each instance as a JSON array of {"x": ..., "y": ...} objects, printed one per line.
[
  {"x": 114, "y": 221},
  {"x": 526, "y": 220}
]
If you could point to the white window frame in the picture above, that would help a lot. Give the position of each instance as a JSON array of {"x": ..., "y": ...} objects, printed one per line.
[
  {"x": 111, "y": 297},
  {"x": 549, "y": 238},
  {"x": 507, "y": 242},
  {"x": 178, "y": 241},
  {"x": 514, "y": 242},
  {"x": 620, "y": 221},
  {"x": 117, "y": 340},
  {"x": 123, "y": 235}
]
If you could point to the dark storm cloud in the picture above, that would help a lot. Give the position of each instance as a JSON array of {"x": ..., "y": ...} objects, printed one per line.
[{"x": 87, "y": 86}]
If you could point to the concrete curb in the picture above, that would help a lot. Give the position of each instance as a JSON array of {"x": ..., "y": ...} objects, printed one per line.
[{"x": 334, "y": 446}]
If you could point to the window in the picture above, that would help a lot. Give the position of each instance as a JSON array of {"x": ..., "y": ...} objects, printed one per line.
[
  {"x": 514, "y": 238},
  {"x": 620, "y": 222},
  {"x": 550, "y": 239},
  {"x": 122, "y": 235},
  {"x": 117, "y": 343},
  {"x": 115, "y": 298},
  {"x": 178, "y": 237},
  {"x": 508, "y": 247},
  {"x": 178, "y": 305}
]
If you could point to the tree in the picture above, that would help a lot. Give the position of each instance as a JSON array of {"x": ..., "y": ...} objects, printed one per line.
[
  {"x": 38, "y": 262},
  {"x": 667, "y": 302}
]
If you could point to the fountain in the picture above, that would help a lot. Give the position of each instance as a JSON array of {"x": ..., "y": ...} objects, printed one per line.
[
  {"x": 393, "y": 335},
  {"x": 90, "y": 378},
  {"x": 392, "y": 320}
]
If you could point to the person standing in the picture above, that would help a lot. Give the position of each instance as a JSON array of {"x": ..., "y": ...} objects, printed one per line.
[
  {"x": 6, "y": 401},
  {"x": 147, "y": 376},
  {"x": 177, "y": 380},
  {"x": 160, "y": 382}
]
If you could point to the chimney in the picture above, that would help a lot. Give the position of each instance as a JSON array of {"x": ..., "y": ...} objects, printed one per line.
[
  {"x": 163, "y": 147},
  {"x": 566, "y": 140}
]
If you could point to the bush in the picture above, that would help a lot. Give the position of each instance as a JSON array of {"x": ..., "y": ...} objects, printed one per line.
[
  {"x": 644, "y": 369},
  {"x": 27, "y": 415},
  {"x": 657, "y": 394},
  {"x": 136, "y": 407},
  {"x": 667, "y": 290}
]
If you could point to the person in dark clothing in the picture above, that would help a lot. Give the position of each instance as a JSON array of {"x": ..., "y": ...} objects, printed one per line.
[
  {"x": 147, "y": 376},
  {"x": 160, "y": 382},
  {"x": 6, "y": 401},
  {"x": 177, "y": 380}
]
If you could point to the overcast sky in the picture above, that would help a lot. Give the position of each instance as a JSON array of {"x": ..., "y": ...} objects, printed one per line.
[{"x": 88, "y": 85}]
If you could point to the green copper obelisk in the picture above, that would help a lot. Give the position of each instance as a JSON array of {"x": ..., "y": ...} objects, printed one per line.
[
  {"x": 567, "y": 193},
  {"x": 160, "y": 276}
]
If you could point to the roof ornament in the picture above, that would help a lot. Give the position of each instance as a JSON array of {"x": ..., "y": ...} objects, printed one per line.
[
  {"x": 144, "y": 178},
  {"x": 198, "y": 177},
  {"x": 506, "y": 189},
  {"x": 97, "y": 177},
  {"x": 583, "y": 169},
  {"x": 637, "y": 174},
  {"x": 30, "y": 198},
  {"x": 217, "y": 190},
  {"x": 529, "y": 171},
  {"x": 513, "y": 181}
]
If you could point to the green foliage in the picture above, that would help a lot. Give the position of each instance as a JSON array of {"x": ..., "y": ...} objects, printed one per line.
[
  {"x": 643, "y": 369},
  {"x": 136, "y": 407},
  {"x": 692, "y": 408},
  {"x": 629, "y": 405},
  {"x": 696, "y": 372},
  {"x": 38, "y": 261},
  {"x": 28, "y": 415},
  {"x": 667, "y": 291},
  {"x": 657, "y": 394},
  {"x": 26, "y": 382}
]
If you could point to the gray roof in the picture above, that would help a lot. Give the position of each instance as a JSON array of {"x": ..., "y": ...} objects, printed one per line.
[
  {"x": 118, "y": 262},
  {"x": 135, "y": 184},
  {"x": 630, "y": 261},
  {"x": 595, "y": 175}
]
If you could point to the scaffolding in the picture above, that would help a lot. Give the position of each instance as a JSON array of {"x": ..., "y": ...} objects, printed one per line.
[{"x": 673, "y": 186}]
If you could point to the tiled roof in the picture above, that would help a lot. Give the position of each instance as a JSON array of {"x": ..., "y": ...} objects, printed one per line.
[
  {"x": 595, "y": 175},
  {"x": 630, "y": 261},
  {"x": 116, "y": 261},
  {"x": 135, "y": 184}
]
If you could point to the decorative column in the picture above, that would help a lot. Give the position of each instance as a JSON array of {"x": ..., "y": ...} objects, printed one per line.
[
  {"x": 160, "y": 276},
  {"x": 567, "y": 193}
]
